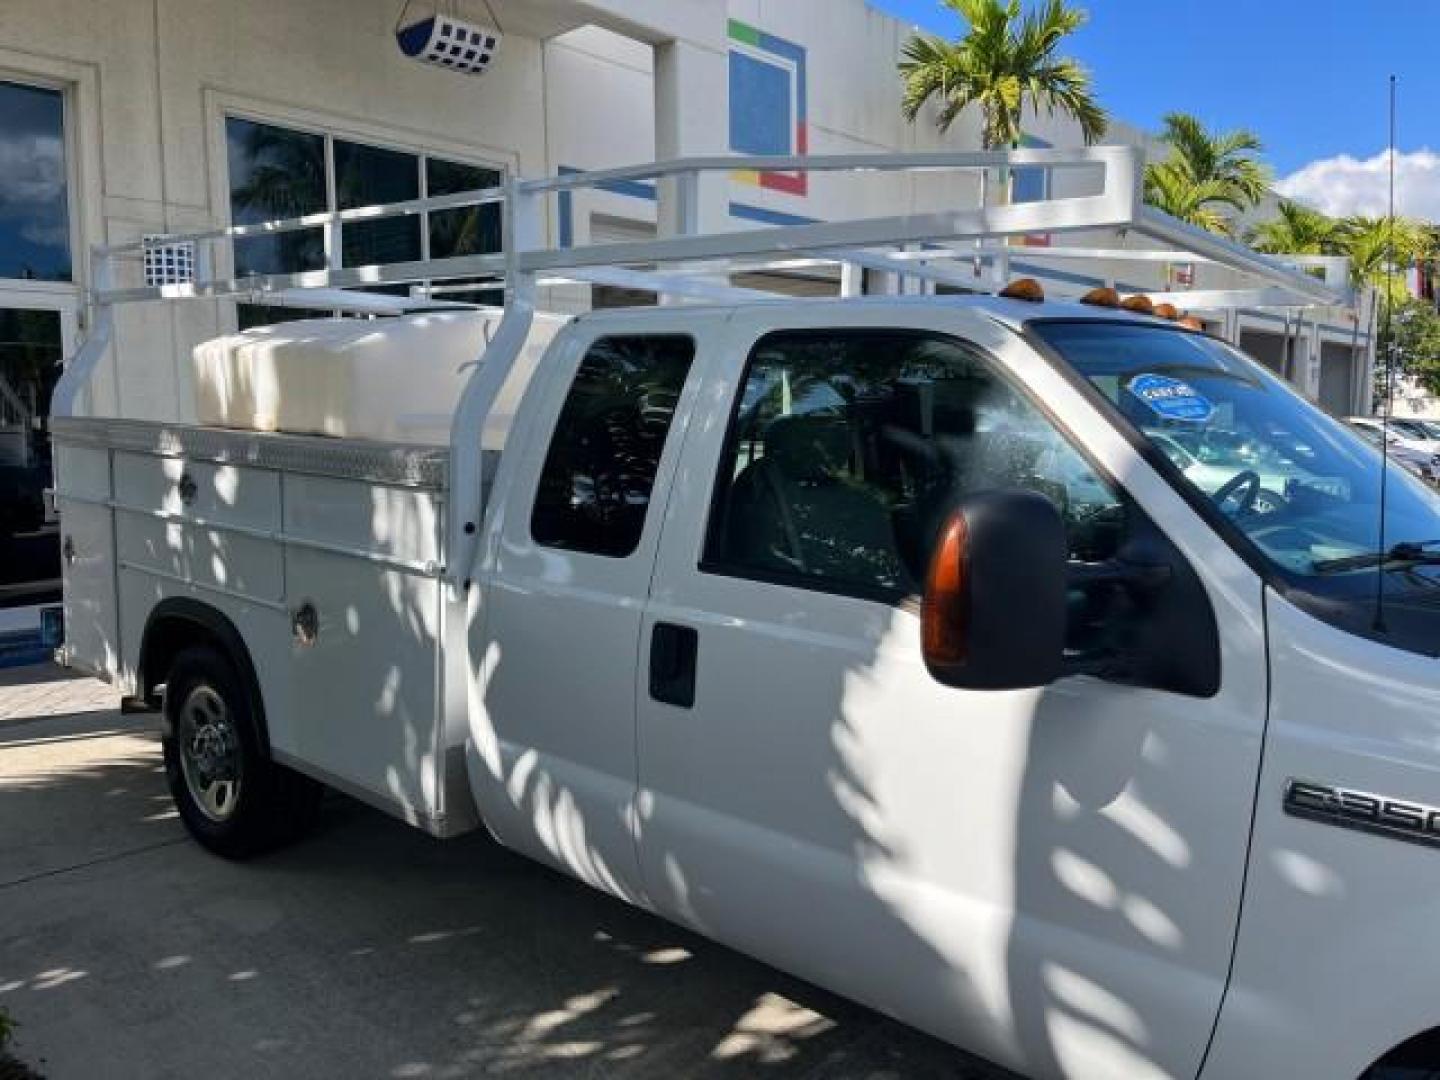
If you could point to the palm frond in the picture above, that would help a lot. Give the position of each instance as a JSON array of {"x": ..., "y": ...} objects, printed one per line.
[
  {"x": 1006, "y": 63},
  {"x": 1295, "y": 230},
  {"x": 1207, "y": 176}
]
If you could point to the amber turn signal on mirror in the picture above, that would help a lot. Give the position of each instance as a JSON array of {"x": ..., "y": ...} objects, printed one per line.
[
  {"x": 943, "y": 620},
  {"x": 995, "y": 606}
]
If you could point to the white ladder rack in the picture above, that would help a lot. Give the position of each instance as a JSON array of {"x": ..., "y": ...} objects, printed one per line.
[{"x": 930, "y": 245}]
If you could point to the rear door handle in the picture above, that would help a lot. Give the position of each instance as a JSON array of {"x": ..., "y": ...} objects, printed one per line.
[{"x": 673, "y": 651}]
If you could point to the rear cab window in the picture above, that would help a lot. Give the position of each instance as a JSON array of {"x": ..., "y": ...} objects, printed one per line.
[{"x": 595, "y": 486}]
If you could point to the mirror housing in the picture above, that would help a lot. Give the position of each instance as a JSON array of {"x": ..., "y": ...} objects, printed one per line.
[{"x": 994, "y": 610}]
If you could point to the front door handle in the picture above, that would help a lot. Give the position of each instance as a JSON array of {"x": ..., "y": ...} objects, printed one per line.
[{"x": 672, "y": 664}]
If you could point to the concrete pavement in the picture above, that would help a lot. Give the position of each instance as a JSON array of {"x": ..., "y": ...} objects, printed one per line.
[{"x": 367, "y": 950}]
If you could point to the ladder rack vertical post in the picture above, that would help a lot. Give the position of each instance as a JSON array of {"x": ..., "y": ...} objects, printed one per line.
[
  {"x": 522, "y": 220},
  {"x": 334, "y": 245},
  {"x": 79, "y": 372}
]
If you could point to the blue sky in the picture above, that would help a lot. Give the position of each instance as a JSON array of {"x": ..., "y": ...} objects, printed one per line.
[{"x": 1307, "y": 76}]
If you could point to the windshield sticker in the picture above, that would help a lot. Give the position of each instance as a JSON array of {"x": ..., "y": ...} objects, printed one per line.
[{"x": 1171, "y": 398}]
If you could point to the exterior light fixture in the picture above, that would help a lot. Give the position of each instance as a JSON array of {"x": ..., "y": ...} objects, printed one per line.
[{"x": 448, "y": 41}]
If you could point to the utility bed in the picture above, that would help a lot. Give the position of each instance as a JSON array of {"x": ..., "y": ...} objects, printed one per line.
[{"x": 328, "y": 555}]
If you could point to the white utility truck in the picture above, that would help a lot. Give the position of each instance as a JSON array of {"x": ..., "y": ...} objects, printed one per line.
[{"x": 890, "y": 640}]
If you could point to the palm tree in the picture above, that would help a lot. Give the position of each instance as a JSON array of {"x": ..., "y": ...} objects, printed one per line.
[
  {"x": 1367, "y": 241},
  {"x": 1207, "y": 178},
  {"x": 1005, "y": 64},
  {"x": 1301, "y": 230},
  {"x": 1297, "y": 230}
]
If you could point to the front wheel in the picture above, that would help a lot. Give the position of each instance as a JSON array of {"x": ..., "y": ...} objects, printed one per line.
[{"x": 232, "y": 798}]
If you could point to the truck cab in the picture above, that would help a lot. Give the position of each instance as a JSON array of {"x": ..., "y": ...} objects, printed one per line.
[{"x": 733, "y": 597}]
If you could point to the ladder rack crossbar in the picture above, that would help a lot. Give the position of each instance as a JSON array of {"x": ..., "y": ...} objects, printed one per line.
[
  {"x": 918, "y": 244},
  {"x": 410, "y": 207}
]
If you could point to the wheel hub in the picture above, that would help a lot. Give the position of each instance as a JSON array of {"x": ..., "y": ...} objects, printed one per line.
[{"x": 210, "y": 757}]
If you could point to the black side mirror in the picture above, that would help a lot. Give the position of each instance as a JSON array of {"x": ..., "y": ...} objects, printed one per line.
[{"x": 994, "y": 610}]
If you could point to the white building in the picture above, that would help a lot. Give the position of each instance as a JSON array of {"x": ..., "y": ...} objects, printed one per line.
[{"x": 120, "y": 118}]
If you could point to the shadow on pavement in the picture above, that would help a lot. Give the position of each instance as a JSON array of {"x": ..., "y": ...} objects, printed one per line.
[{"x": 367, "y": 950}]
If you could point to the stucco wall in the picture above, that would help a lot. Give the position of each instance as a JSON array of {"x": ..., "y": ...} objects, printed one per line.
[
  {"x": 161, "y": 75},
  {"x": 152, "y": 80}
]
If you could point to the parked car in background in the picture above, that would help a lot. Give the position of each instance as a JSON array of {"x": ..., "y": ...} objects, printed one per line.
[
  {"x": 1416, "y": 432},
  {"x": 1411, "y": 434},
  {"x": 1424, "y": 464},
  {"x": 1429, "y": 429}
]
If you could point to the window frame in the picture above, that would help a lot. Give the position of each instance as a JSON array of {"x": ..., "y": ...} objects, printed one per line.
[
  {"x": 894, "y": 598},
  {"x": 222, "y": 107},
  {"x": 692, "y": 372}
]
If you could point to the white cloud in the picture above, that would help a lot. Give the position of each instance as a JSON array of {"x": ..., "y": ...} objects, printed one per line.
[
  {"x": 1346, "y": 185},
  {"x": 32, "y": 174},
  {"x": 45, "y": 235}
]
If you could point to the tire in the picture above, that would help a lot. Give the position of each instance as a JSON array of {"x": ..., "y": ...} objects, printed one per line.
[{"x": 232, "y": 798}]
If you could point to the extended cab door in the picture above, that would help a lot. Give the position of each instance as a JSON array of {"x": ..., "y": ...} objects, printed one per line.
[
  {"x": 571, "y": 543},
  {"x": 1050, "y": 878}
]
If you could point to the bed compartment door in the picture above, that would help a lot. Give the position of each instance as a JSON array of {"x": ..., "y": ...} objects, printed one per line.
[
  {"x": 87, "y": 559},
  {"x": 363, "y": 589}
]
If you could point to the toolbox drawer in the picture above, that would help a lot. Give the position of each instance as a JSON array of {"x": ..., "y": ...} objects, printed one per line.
[{"x": 199, "y": 490}]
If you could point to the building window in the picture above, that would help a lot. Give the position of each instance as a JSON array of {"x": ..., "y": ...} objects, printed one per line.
[
  {"x": 1031, "y": 183},
  {"x": 34, "y": 188},
  {"x": 31, "y": 349},
  {"x": 468, "y": 230},
  {"x": 594, "y": 490},
  {"x": 368, "y": 176},
  {"x": 275, "y": 172},
  {"x": 281, "y": 172}
]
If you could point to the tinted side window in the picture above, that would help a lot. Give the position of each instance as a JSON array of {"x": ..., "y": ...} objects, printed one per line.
[
  {"x": 847, "y": 449},
  {"x": 595, "y": 488}
]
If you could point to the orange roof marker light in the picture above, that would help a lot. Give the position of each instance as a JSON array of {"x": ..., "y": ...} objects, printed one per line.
[
  {"x": 1102, "y": 297},
  {"x": 1024, "y": 288},
  {"x": 1190, "y": 322},
  {"x": 1139, "y": 303},
  {"x": 1167, "y": 311}
]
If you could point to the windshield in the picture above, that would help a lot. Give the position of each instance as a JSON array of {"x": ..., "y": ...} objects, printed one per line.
[{"x": 1301, "y": 485}]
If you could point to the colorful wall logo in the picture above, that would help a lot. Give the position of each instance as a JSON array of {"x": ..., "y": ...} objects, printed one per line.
[{"x": 767, "y": 104}]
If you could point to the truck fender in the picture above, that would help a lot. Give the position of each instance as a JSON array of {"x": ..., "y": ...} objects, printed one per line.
[{"x": 178, "y": 622}]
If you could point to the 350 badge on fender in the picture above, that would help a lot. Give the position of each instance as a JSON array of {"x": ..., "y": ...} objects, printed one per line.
[{"x": 1400, "y": 819}]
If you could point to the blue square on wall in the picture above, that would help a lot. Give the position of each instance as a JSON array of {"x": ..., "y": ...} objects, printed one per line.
[{"x": 761, "y": 107}]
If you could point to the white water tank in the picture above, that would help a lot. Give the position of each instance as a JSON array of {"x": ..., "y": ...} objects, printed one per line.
[{"x": 390, "y": 379}]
